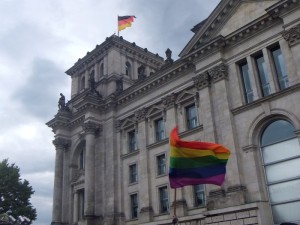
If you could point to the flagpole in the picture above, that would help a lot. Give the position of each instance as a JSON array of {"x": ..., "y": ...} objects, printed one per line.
[
  {"x": 175, "y": 202},
  {"x": 118, "y": 24}
]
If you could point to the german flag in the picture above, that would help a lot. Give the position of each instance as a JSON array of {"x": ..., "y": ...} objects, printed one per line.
[{"x": 125, "y": 21}]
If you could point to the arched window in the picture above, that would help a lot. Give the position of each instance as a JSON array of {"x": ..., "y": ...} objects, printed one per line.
[
  {"x": 128, "y": 69},
  {"x": 281, "y": 160}
]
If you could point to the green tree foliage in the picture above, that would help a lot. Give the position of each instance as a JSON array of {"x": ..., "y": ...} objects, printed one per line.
[{"x": 15, "y": 192}]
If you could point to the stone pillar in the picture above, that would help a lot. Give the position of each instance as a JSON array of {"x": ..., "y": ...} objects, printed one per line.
[
  {"x": 60, "y": 144},
  {"x": 292, "y": 36},
  {"x": 146, "y": 211},
  {"x": 75, "y": 207},
  {"x": 225, "y": 135},
  {"x": 90, "y": 129}
]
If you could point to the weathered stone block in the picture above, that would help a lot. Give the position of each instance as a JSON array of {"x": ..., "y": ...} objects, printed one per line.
[
  {"x": 231, "y": 216},
  {"x": 244, "y": 214},
  {"x": 237, "y": 222},
  {"x": 250, "y": 221},
  {"x": 217, "y": 218}
]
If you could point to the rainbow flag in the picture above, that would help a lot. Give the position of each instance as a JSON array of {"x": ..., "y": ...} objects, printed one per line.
[
  {"x": 125, "y": 21},
  {"x": 193, "y": 162}
]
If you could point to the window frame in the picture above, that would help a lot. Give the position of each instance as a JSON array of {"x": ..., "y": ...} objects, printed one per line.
[
  {"x": 187, "y": 116},
  {"x": 158, "y": 166},
  {"x": 134, "y": 208},
  {"x": 196, "y": 192},
  {"x": 262, "y": 74},
  {"x": 133, "y": 174},
  {"x": 163, "y": 200},
  {"x": 132, "y": 145},
  {"x": 159, "y": 134},
  {"x": 275, "y": 65},
  {"x": 277, "y": 162},
  {"x": 248, "y": 94}
]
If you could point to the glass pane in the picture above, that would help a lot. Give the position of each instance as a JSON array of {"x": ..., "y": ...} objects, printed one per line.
[
  {"x": 280, "y": 68},
  {"x": 263, "y": 75},
  {"x": 246, "y": 82},
  {"x": 277, "y": 131},
  {"x": 288, "y": 212},
  {"x": 283, "y": 170},
  {"x": 282, "y": 150},
  {"x": 285, "y": 191}
]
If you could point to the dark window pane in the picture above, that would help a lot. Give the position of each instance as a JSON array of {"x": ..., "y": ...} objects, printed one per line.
[
  {"x": 191, "y": 116},
  {"x": 199, "y": 195},
  {"x": 277, "y": 131},
  {"x": 280, "y": 68},
  {"x": 161, "y": 164},
  {"x": 263, "y": 75},
  {"x": 134, "y": 206},
  {"x": 246, "y": 82},
  {"x": 133, "y": 173},
  {"x": 159, "y": 130},
  {"x": 82, "y": 159},
  {"x": 131, "y": 141},
  {"x": 163, "y": 199}
]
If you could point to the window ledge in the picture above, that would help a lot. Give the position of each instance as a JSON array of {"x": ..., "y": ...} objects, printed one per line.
[
  {"x": 133, "y": 183},
  {"x": 191, "y": 131},
  {"x": 156, "y": 144},
  {"x": 130, "y": 154},
  {"x": 161, "y": 175},
  {"x": 257, "y": 102}
]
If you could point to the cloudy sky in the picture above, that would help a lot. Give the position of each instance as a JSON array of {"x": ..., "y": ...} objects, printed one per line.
[{"x": 40, "y": 39}]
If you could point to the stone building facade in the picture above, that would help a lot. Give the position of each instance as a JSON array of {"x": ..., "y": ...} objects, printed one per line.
[{"x": 237, "y": 83}]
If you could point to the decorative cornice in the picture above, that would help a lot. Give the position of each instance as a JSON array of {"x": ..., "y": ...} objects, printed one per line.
[
  {"x": 77, "y": 174},
  {"x": 219, "y": 72},
  {"x": 217, "y": 193},
  {"x": 115, "y": 42},
  {"x": 236, "y": 188},
  {"x": 292, "y": 36},
  {"x": 202, "y": 81},
  {"x": 61, "y": 143}
]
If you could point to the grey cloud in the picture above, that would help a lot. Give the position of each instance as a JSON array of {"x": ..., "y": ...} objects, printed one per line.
[{"x": 38, "y": 93}]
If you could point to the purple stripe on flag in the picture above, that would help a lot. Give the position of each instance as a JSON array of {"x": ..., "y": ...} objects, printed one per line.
[{"x": 183, "y": 181}]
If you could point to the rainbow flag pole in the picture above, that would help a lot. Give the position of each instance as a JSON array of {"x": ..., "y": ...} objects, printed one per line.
[{"x": 194, "y": 162}]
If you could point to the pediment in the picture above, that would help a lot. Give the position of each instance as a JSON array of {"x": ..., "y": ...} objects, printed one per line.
[
  {"x": 185, "y": 96},
  {"x": 127, "y": 123},
  {"x": 228, "y": 16},
  {"x": 153, "y": 111},
  {"x": 246, "y": 12}
]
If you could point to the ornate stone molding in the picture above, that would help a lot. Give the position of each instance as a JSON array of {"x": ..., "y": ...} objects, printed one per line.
[
  {"x": 219, "y": 72},
  {"x": 292, "y": 36},
  {"x": 146, "y": 209},
  {"x": 202, "y": 81},
  {"x": 61, "y": 143},
  {"x": 249, "y": 148},
  {"x": 140, "y": 114},
  {"x": 169, "y": 100},
  {"x": 236, "y": 188},
  {"x": 91, "y": 127},
  {"x": 217, "y": 193}
]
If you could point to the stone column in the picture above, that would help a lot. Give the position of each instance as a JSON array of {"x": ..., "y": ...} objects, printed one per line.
[
  {"x": 146, "y": 211},
  {"x": 60, "y": 144},
  {"x": 292, "y": 36},
  {"x": 90, "y": 129},
  {"x": 225, "y": 135},
  {"x": 75, "y": 207}
]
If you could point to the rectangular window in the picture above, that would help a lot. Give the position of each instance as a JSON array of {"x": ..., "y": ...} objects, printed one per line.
[
  {"x": 132, "y": 141},
  {"x": 263, "y": 75},
  {"x": 159, "y": 129},
  {"x": 248, "y": 93},
  {"x": 81, "y": 204},
  {"x": 161, "y": 164},
  {"x": 163, "y": 199},
  {"x": 199, "y": 195},
  {"x": 134, "y": 205},
  {"x": 191, "y": 116},
  {"x": 133, "y": 176},
  {"x": 280, "y": 68}
]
